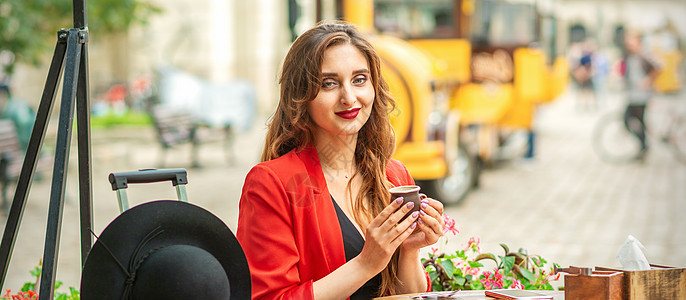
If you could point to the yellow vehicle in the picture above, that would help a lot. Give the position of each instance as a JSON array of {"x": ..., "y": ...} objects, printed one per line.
[
  {"x": 668, "y": 81},
  {"x": 459, "y": 90},
  {"x": 665, "y": 45}
]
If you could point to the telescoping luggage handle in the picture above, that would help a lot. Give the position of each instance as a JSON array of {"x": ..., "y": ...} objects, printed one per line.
[{"x": 121, "y": 180}]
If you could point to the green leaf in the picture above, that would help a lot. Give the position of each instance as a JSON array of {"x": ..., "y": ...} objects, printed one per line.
[
  {"x": 527, "y": 274},
  {"x": 35, "y": 272},
  {"x": 537, "y": 261},
  {"x": 507, "y": 249},
  {"x": 508, "y": 263},
  {"x": 476, "y": 285},
  {"x": 433, "y": 276},
  {"x": 486, "y": 256},
  {"x": 29, "y": 286},
  {"x": 449, "y": 267},
  {"x": 475, "y": 264},
  {"x": 518, "y": 271},
  {"x": 74, "y": 293},
  {"x": 460, "y": 280}
]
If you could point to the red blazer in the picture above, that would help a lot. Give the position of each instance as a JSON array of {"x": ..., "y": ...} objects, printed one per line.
[{"x": 287, "y": 224}]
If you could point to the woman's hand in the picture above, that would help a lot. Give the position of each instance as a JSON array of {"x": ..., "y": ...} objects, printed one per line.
[
  {"x": 384, "y": 234},
  {"x": 430, "y": 225}
]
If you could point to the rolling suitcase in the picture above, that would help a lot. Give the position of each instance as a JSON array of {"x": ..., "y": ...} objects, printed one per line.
[{"x": 164, "y": 249}]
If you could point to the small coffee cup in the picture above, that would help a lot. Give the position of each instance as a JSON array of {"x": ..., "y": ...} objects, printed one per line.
[{"x": 410, "y": 193}]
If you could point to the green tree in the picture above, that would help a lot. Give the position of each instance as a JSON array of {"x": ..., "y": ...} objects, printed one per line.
[{"x": 28, "y": 27}]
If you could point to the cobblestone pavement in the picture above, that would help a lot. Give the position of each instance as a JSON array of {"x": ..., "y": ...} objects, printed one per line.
[
  {"x": 565, "y": 205},
  {"x": 572, "y": 208}
]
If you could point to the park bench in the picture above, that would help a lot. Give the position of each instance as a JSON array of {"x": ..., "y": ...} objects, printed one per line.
[
  {"x": 175, "y": 127},
  {"x": 189, "y": 109},
  {"x": 12, "y": 160}
]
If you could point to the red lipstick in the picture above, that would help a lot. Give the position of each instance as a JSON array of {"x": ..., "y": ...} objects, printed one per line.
[{"x": 348, "y": 114}]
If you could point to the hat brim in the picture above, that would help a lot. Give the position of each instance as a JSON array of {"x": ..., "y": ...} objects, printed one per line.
[{"x": 182, "y": 224}]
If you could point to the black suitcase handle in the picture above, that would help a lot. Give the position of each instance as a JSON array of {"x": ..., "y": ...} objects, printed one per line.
[{"x": 122, "y": 179}]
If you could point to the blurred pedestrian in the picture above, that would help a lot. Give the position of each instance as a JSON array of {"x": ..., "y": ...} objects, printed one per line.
[
  {"x": 19, "y": 112},
  {"x": 640, "y": 70},
  {"x": 316, "y": 219},
  {"x": 583, "y": 72},
  {"x": 601, "y": 71}
]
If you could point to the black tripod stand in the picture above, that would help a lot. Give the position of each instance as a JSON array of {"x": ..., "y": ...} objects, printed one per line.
[{"x": 71, "y": 56}]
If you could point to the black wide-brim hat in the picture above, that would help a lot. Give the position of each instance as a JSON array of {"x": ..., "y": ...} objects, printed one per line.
[{"x": 169, "y": 249}]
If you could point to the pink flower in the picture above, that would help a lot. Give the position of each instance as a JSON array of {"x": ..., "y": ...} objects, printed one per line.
[
  {"x": 517, "y": 284},
  {"x": 449, "y": 225},
  {"x": 473, "y": 244},
  {"x": 492, "y": 280},
  {"x": 434, "y": 250},
  {"x": 468, "y": 270},
  {"x": 486, "y": 280}
]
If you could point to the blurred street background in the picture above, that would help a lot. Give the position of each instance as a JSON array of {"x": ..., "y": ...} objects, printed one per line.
[{"x": 501, "y": 75}]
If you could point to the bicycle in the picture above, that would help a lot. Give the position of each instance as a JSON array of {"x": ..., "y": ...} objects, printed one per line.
[{"x": 665, "y": 124}]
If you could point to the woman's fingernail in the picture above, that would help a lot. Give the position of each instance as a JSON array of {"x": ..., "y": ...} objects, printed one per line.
[
  {"x": 413, "y": 225},
  {"x": 422, "y": 212},
  {"x": 415, "y": 214},
  {"x": 410, "y": 204},
  {"x": 424, "y": 205},
  {"x": 399, "y": 200},
  {"x": 420, "y": 221},
  {"x": 425, "y": 201}
]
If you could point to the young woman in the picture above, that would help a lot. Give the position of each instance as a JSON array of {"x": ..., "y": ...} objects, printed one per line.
[{"x": 315, "y": 217}]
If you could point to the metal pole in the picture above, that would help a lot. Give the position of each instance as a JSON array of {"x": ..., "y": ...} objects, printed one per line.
[
  {"x": 32, "y": 152},
  {"x": 84, "y": 147},
  {"x": 80, "y": 15},
  {"x": 71, "y": 44},
  {"x": 64, "y": 132}
]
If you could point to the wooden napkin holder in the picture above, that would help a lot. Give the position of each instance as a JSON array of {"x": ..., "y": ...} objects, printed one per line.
[
  {"x": 600, "y": 285},
  {"x": 660, "y": 282}
]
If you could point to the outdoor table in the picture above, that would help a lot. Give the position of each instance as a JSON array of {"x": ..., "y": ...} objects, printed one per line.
[{"x": 472, "y": 295}]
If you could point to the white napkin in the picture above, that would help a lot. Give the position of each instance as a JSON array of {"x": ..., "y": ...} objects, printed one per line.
[{"x": 631, "y": 255}]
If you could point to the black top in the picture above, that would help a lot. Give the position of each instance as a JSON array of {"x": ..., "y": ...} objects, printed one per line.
[{"x": 353, "y": 243}]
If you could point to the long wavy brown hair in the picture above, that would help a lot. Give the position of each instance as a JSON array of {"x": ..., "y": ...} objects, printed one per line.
[{"x": 292, "y": 128}]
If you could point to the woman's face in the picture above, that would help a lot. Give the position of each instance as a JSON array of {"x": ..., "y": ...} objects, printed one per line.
[{"x": 345, "y": 99}]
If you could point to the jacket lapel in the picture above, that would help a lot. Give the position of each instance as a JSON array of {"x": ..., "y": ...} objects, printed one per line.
[{"x": 329, "y": 233}]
